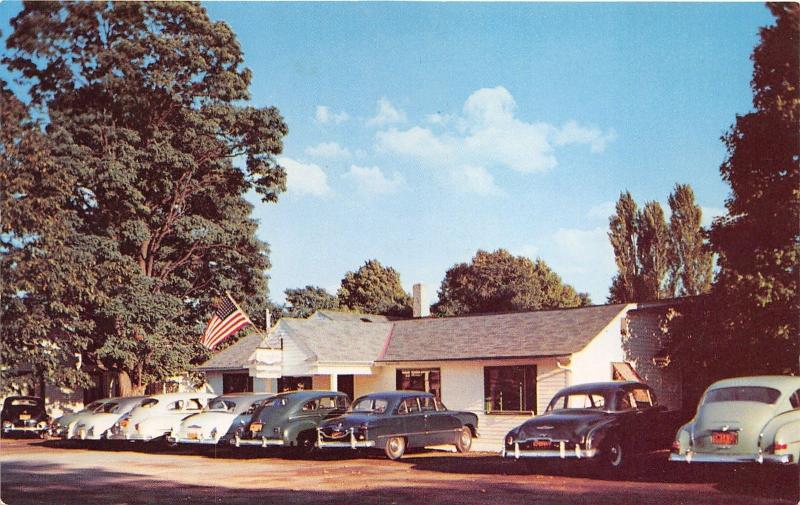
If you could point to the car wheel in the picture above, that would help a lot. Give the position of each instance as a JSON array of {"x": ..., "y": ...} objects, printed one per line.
[
  {"x": 464, "y": 441},
  {"x": 306, "y": 443},
  {"x": 395, "y": 447},
  {"x": 614, "y": 455}
]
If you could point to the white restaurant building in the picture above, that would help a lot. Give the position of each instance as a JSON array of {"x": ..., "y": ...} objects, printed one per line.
[{"x": 503, "y": 367}]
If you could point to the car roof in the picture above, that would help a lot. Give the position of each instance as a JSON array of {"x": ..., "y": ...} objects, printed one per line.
[
  {"x": 396, "y": 394},
  {"x": 308, "y": 393},
  {"x": 604, "y": 387},
  {"x": 243, "y": 396},
  {"x": 23, "y": 397},
  {"x": 773, "y": 381}
]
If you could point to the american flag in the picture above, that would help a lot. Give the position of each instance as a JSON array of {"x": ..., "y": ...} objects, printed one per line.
[{"x": 228, "y": 318}]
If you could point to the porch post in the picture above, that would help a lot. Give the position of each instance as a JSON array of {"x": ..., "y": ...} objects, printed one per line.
[{"x": 334, "y": 382}]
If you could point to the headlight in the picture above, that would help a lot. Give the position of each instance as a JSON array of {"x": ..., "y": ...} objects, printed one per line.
[
  {"x": 7, "y": 424},
  {"x": 41, "y": 425}
]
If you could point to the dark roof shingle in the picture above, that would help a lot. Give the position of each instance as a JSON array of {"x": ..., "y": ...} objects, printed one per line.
[{"x": 522, "y": 334}]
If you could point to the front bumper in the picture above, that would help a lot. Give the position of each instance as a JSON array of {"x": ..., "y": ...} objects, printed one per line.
[
  {"x": 561, "y": 453},
  {"x": 193, "y": 441},
  {"x": 23, "y": 429},
  {"x": 134, "y": 437},
  {"x": 700, "y": 457},
  {"x": 84, "y": 434},
  {"x": 347, "y": 441}
]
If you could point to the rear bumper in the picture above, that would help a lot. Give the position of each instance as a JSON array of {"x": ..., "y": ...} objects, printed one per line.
[
  {"x": 192, "y": 441},
  {"x": 699, "y": 457},
  {"x": 347, "y": 441},
  {"x": 134, "y": 437},
  {"x": 562, "y": 453},
  {"x": 24, "y": 429},
  {"x": 260, "y": 442}
]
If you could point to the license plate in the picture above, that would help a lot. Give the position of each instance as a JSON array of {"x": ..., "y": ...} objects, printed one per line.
[
  {"x": 541, "y": 444},
  {"x": 256, "y": 427},
  {"x": 724, "y": 437},
  {"x": 24, "y": 417},
  {"x": 192, "y": 435}
]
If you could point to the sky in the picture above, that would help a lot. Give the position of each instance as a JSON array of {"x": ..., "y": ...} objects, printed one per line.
[{"x": 420, "y": 133}]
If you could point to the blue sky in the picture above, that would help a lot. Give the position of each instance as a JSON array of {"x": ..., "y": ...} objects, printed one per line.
[{"x": 420, "y": 133}]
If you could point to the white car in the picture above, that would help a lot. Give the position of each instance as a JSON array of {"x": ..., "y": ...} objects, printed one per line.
[
  {"x": 94, "y": 425},
  {"x": 217, "y": 418},
  {"x": 157, "y": 416},
  {"x": 60, "y": 427}
]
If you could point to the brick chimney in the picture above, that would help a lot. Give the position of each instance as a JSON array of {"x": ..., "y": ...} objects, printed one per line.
[{"x": 421, "y": 306}]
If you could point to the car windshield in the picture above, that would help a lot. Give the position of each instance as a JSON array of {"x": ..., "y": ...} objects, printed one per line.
[
  {"x": 743, "y": 394},
  {"x": 94, "y": 405},
  {"x": 373, "y": 405},
  {"x": 22, "y": 402},
  {"x": 220, "y": 406},
  {"x": 149, "y": 403},
  {"x": 585, "y": 400}
]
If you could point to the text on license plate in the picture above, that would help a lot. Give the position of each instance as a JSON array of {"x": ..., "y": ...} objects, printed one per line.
[
  {"x": 724, "y": 437},
  {"x": 541, "y": 444},
  {"x": 256, "y": 427},
  {"x": 24, "y": 417},
  {"x": 193, "y": 435}
]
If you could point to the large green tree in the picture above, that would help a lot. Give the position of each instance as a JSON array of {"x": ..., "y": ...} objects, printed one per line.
[
  {"x": 690, "y": 261},
  {"x": 652, "y": 246},
  {"x": 501, "y": 282},
  {"x": 144, "y": 106},
  {"x": 749, "y": 323},
  {"x": 374, "y": 289},
  {"x": 302, "y": 302},
  {"x": 623, "y": 235}
]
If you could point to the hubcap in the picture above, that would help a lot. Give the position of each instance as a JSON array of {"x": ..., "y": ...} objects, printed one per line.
[{"x": 616, "y": 454}]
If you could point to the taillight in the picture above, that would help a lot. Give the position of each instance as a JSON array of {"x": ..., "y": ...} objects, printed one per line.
[
  {"x": 676, "y": 446},
  {"x": 780, "y": 447}
]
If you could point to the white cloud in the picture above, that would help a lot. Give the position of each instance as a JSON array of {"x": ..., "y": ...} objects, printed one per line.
[
  {"x": 709, "y": 213},
  {"x": 305, "y": 178},
  {"x": 528, "y": 250},
  {"x": 488, "y": 134},
  {"x": 328, "y": 150},
  {"x": 574, "y": 133},
  {"x": 371, "y": 180},
  {"x": 602, "y": 211},
  {"x": 324, "y": 115},
  {"x": 474, "y": 179},
  {"x": 583, "y": 258},
  {"x": 387, "y": 114}
]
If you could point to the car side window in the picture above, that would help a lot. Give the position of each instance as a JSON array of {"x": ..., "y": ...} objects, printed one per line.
[
  {"x": 794, "y": 400},
  {"x": 412, "y": 404},
  {"x": 310, "y": 405},
  {"x": 193, "y": 404},
  {"x": 623, "y": 401},
  {"x": 427, "y": 404},
  {"x": 176, "y": 405},
  {"x": 341, "y": 402},
  {"x": 327, "y": 402}
]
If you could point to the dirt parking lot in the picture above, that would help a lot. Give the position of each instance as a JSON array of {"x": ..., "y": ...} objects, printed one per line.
[{"x": 53, "y": 472}]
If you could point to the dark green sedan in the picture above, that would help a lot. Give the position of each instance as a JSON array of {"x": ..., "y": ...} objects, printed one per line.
[
  {"x": 397, "y": 420},
  {"x": 289, "y": 419}
]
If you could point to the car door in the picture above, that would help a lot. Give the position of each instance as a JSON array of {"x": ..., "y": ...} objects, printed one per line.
[
  {"x": 412, "y": 422},
  {"x": 440, "y": 425}
]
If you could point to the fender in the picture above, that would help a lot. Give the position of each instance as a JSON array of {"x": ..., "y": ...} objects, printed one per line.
[{"x": 295, "y": 427}]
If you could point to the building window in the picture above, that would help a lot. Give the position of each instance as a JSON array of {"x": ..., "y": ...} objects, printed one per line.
[
  {"x": 236, "y": 383},
  {"x": 290, "y": 383},
  {"x": 420, "y": 379},
  {"x": 510, "y": 388}
]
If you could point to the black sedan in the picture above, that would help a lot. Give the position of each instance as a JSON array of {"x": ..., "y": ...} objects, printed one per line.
[
  {"x": 608, "y": 421},
  {"x": 397, "y": 420},
  {"x": 24, "y": 415}
]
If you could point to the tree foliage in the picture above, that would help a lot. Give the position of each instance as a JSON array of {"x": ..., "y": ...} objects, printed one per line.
[
  {"x": 500, "y": 282},
  {"x": 690, "y": 260},
  {"x": 655, "y": 260},
  {"x": 142, "y": 104},
  {"x": 749, "y": 323},
  {"x": 374, "y": 289},
  {"x": 302, "y": 302}
]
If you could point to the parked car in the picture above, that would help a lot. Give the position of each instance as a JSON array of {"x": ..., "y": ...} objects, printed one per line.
[
  {"x": 217, "y": 418},
  {"x": 744, "y": 420},
  {"x": 24, "y": 415},
  {"x": 605, "y": 421},
  {"x": 94, "y": 425},
  {"x": 290, "y": 419},
  {"x": 157, "y": 416},
  {"x": 398, "y": 420},
  {"x": 60, "y": 427}
]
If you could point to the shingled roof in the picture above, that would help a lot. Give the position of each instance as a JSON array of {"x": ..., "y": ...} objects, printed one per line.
[
  {"x": 522, "y": 334},
  {"x": 339, "y": 315},
  {"x": 336, "y": 341},
  {"x": 234, "y": 357}
]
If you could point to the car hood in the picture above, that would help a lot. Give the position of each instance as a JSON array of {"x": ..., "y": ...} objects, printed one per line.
[{"x": 562, "y": 425}]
